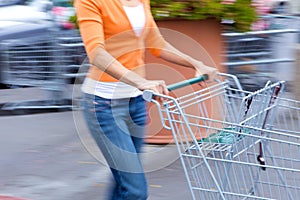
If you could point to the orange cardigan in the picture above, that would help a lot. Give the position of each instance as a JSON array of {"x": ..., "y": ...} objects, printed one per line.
[{"x": 104, "y": 23}]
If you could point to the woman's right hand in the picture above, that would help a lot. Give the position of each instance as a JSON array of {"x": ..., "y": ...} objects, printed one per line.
[{"x": 157, "y": 86}]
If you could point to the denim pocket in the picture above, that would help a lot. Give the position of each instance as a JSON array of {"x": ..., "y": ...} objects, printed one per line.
[{"x": 101, "y": 104}]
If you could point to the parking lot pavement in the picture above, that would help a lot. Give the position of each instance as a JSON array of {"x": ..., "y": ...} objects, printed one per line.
[
  {"x": 22, "y": 94},
  {"x": 36, "y": 100},
  {"x": 42, "y": 157}
]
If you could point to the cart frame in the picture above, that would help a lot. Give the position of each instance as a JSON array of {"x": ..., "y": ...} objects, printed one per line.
[{"x": 239, "y": 154}]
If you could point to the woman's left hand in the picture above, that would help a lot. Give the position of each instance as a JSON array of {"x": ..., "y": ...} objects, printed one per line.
[{"x": 203, "y": 69}]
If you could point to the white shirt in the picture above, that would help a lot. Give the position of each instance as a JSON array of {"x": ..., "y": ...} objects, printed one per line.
[
  {"x": 136, "y": 16},
  {"x": 109, "y": 90}
]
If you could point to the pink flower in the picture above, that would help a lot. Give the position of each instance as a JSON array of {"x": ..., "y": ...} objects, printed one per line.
[
  {"x": 260, "y": 25},
  {"x": 68, "y": 25},
  {"x": 58, "y": 11},
  {"x": 262, "y": 6}
]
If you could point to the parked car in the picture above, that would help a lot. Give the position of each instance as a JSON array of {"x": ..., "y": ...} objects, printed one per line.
[
  {"x": 38, "y": 11},
  {"x": 13, "y": 30},
  {"x": 11, "y": 2},
  {"x": 24, "y": 13}
]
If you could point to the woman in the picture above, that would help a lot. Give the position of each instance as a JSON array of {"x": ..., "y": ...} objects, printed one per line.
[{"x": 116, "y": 34}]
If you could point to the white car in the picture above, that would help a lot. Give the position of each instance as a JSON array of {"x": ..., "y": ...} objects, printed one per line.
[
  {"x": 10, "y": 2},
  {"x": 25, "y": 13},
  {"x": 37, "y": 11}
]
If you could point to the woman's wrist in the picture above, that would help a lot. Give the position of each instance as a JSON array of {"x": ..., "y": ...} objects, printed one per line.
[{"x": 197, "y": 64}]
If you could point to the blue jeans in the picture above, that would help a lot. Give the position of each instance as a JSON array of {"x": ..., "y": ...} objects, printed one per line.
[{"x": 118, "y": 127}]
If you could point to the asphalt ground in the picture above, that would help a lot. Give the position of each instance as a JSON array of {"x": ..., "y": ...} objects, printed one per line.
[
  {"x": 49, "y": 155},
  {"x": 43, "y": 158}
]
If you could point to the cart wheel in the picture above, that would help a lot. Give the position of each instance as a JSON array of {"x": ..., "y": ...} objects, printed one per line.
[{"x": 261, "y": 161}]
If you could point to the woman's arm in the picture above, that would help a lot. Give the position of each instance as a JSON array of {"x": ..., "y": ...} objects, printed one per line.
[
  {"x": 119, "y": 72},
  {"x": 171, "y": 54},
  {"x": 159, "y": 47}
]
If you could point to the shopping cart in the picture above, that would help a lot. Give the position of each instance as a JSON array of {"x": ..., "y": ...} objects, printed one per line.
[
  {"x": 258, "y": 56},
  {"x": 287, "y": 118},
  {"x": 49, "y": 63},
  {"x": 229, "y": 142}
]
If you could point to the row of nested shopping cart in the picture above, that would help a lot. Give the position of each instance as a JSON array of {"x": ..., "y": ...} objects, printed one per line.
[
  {"x": 49, "y": 62},
  {"x": 258, "y": 56},
  {"x": 235, "y": 144}
]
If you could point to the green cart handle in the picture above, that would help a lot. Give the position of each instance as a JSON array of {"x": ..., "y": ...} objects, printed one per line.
[
  {"x": 191, "y": 81},
  {"x": 149, "y": 94}
]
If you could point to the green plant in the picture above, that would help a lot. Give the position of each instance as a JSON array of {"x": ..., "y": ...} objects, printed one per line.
[
  {"x": 73, "y": 19},
  {"x": 240, "y": 12}
]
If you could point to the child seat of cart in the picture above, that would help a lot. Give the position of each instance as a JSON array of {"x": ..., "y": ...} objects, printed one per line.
[{"x": 233, "y": 134}]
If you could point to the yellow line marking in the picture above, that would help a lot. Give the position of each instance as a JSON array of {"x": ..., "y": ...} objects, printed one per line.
[
  {"x": 155, "y": 186},
  {"x": 100, "y": 185},
  {"x": 87, "y": 163}
]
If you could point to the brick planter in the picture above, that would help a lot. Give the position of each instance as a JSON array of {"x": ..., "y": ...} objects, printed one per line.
[{"x": 202, "y": 40}]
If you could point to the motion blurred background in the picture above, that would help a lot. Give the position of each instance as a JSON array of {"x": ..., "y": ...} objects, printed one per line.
[{"x": 43, "y": 62}]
